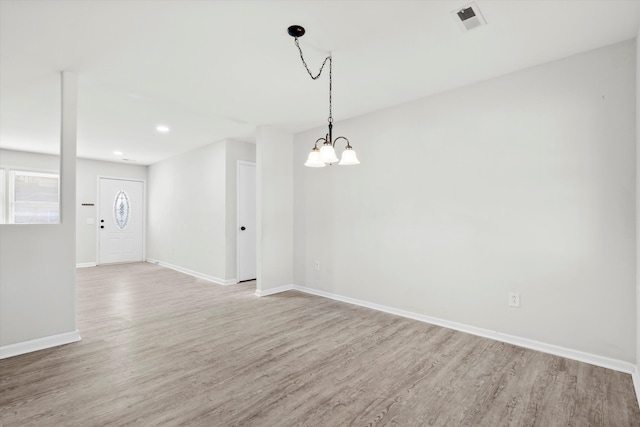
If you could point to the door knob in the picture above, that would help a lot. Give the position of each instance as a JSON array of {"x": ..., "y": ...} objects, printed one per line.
[
  {"x": 102, "y": 226},
  {"x": 243, "y": 228}
]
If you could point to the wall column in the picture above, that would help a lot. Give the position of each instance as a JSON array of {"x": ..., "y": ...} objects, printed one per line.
[
  {"x": 636, "y": 375},
  {"x": 37, "y": 261},
  {"x": 274, "y": 169}
]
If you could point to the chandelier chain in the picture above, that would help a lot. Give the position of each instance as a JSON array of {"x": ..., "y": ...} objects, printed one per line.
[
  {"x": 330, "y": 89},
  {"x": 328, "y": 58}
]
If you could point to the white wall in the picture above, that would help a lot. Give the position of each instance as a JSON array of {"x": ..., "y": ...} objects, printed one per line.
[
  {"x": 274, "y": 201},
  {"x": 189, "y": 211},
  {"x": 88, "y": 172},
  {"x": 522, "y": 183},
  {"x": 37, "y": 262},
  {"x": 36, "y": 161},
  {"x": 638, "y": 203},
  {"x": 186, "y": 211}
]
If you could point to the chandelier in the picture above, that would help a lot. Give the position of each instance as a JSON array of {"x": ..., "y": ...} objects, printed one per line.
[{"x": 326, "y": 154}]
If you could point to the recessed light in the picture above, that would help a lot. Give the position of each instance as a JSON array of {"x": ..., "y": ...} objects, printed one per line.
[
  {"x": 162, "y": 128},
  {"x": 117, "y": 153}
]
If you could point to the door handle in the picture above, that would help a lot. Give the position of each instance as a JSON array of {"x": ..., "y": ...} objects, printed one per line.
[
  {"x": 102, "y": 226},
  {"x": 243, "y": 228}
]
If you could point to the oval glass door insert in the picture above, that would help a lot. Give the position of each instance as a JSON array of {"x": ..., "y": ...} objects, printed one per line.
[{"x": 121, "y": 209}]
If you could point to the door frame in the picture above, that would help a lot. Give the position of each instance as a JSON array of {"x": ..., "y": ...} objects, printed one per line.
[
  {"x": 144, "y": 214},
  {"x": 246, "y": 163}
]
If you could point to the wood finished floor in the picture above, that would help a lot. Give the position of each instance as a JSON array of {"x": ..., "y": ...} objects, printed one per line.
[{"x": 163, "y": 348}]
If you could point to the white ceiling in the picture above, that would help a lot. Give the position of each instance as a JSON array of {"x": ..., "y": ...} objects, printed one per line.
[{"x": 212, "y": 70}]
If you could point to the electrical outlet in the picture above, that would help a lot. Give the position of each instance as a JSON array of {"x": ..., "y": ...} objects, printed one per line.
[
  {"x": 317, "y": 265},
  {"x": 514, "y": 299}
]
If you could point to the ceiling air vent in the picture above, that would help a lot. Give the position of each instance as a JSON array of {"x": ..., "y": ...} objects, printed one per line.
[{"x": 469, "y": 17}]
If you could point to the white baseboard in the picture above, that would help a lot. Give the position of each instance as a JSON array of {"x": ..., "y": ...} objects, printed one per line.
[
  {"x": 635, "y": 376},
  {"x": 605, "y": 362},
  {"x": 194, "y": 273},
  {"x": 86, "y": 264},
  {"x": 39, "y": 344},
  {"x": 266, "y": 292}
]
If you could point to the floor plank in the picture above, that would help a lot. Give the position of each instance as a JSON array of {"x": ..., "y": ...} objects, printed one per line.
[{"x": 163, "y": 348}]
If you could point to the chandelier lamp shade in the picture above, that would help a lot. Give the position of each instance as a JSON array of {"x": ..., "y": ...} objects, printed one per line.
[{"x": 326, "y": 153}]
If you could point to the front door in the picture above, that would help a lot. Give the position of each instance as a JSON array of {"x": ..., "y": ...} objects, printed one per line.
[{"x": 120, "y": 221}]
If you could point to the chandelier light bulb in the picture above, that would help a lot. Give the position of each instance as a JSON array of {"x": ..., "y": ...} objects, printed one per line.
[
  {"x": 314, "y": 160},
  {"x": 349, "y": 157},
  {"x": 328, "y": 153}
]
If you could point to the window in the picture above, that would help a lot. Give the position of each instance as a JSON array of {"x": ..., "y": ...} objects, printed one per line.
[
  {"x": 34, "y": 197},
  {"x": 121, "y": 210}
]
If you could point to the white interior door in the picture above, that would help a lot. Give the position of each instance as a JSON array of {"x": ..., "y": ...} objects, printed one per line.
[
  {"x": 246, "y": 221},
  {"x": 120, "y": 221}
]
